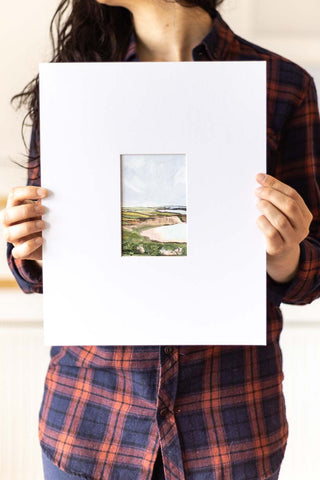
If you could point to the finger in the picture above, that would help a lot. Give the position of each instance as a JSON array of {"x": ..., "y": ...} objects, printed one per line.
[
  {"x": 21, "y": 230},
  {"x": 274, "y": 241},
  {"x": 20, "y": 241},
  {"x": 25, "y": 249},
  {"x": 279, "y": 221},
  {"x": 272, "y": 182},
  {"x": 283, "y": 203},
  {"x": 18, "y": 195},
  {"x": 22, "y": 213}
]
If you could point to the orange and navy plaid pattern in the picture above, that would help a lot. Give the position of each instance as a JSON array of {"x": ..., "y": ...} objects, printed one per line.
[{"x": 216, "y": 412}]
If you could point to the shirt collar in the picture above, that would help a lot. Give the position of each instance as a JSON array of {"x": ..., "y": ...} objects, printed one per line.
[{"x": 219, "y": 43}]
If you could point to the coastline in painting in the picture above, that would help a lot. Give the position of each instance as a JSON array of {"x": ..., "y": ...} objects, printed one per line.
[{"x": 154, "y": 231}]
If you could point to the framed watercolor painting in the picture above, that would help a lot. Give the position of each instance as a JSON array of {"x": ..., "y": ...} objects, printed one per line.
[{"x": 151, "y": 231}]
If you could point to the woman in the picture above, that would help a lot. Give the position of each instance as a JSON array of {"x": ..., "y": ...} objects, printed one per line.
[{"x": 206, "y": 412}]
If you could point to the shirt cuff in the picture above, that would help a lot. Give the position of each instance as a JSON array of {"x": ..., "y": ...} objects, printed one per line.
[
  {"x": 304, "y": 287},
  {"x": 27, "y": 273}
]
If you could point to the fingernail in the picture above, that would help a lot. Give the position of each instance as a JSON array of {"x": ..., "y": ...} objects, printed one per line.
[
  {"x": 41, "y": 192},
  {"x": 39, "y": 240},
  {"x": 261, "y": 177},
  {"x": 38, "y": 208},
  {"x": 258, "y": 190}
]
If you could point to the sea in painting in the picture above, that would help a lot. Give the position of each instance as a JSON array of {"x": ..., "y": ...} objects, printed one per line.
[{"x": 153, "y": 210}]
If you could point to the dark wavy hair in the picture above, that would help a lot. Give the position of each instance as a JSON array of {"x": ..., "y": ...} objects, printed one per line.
[{"x": 86, "y": 31}]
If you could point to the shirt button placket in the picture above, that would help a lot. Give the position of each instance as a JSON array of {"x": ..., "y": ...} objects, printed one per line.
[{"x": 169, "y": 437}]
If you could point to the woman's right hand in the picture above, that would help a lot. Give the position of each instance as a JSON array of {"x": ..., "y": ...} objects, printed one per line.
[{"x": 22, "y": 221}]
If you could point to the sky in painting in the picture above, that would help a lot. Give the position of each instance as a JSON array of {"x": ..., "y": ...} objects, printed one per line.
[{"x": 153, "y": 180}]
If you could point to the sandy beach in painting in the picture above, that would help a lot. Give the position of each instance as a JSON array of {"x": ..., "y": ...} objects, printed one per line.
[{"x": 167, "y": 233}]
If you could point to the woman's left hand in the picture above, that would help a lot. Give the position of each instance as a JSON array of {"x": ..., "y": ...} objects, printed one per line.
[{"x": 285, "y": 223}]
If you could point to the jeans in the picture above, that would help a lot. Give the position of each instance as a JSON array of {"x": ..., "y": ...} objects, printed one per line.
[{"x": 52, "y": 472}]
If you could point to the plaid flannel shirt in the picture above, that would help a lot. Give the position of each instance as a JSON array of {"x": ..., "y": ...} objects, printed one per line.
[{"x": 216, "y": 412}]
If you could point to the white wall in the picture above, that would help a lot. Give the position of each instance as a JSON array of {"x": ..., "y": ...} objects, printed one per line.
[{"x": 289, "y": 27}]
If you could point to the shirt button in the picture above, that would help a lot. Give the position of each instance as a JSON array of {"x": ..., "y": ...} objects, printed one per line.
[
  {"x": 163, "y": 412},
  {"x": 168, "y": 350},
  {"x": 177, "y": 410}
]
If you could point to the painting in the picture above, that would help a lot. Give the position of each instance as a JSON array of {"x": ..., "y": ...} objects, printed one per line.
[{"x": 154, "y": 205}]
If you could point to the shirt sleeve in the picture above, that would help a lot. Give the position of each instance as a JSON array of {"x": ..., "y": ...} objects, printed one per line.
[
  {"x": 298, "y": 165},
  {"x": 28, "y": 273}
]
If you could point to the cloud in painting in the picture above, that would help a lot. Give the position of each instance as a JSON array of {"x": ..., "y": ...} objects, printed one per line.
[
  {"x": 134, "y": 184},
  {"x": 153, "y": 180},
  {"x": 180, "y": 176}
]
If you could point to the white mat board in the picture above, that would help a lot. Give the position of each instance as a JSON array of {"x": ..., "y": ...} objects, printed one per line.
[{"x": 215, "y": 114}]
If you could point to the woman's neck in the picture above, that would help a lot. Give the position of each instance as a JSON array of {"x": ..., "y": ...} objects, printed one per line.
[{"x": 166, "y": 31}]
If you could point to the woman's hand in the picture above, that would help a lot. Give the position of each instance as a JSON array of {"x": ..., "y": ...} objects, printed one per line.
[
  {"x": 22, "y": 220},
  {"x": 285, "y": 223}
]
